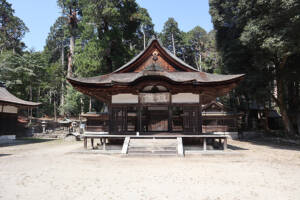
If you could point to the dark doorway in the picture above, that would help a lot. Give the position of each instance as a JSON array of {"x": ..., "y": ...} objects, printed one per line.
[{"x": 155, "y": 118}]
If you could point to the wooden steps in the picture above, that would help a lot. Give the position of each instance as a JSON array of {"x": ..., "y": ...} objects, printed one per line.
[{"x": 145, "y": 146}]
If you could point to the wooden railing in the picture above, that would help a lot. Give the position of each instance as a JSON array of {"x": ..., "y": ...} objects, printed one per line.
[
  {"x": 217, "y": 128},
  {"x": 102, "y": 128}
]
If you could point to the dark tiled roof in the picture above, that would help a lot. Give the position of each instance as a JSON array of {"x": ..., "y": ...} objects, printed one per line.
[
  {"x": 180, "y": 77},
  {"x": 7, "y": 98}
]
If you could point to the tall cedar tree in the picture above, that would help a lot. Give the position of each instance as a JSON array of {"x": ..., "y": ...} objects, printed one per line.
[
  {"x": 71, "y": 9},
  {"x": 12, "y": 29},
  {"x": 171, "y": 36},
  {"x": 259, "y": 38},
  {"x": 109, "y": 30}
]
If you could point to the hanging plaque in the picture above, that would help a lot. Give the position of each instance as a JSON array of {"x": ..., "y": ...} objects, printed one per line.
[{"x": 155, "y": 97}]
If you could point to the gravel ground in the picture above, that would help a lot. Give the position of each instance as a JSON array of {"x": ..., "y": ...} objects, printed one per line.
[{"x": 55, "y": 170}]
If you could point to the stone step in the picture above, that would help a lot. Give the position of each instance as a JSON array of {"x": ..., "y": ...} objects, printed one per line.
[
  {"x": 155, "y": 153},
  {"x": 142, "y": 146},
  {"x": 151, "y": 146},
  {"x": 155, "y": 148}
]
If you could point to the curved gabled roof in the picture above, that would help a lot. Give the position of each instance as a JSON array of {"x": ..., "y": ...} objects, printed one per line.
[
  {"x": 157, "y": 43},
  {"x": 7, "y": 98},
  {"x": 178, "y": 77},
  {"x": 157, "y": 64}
]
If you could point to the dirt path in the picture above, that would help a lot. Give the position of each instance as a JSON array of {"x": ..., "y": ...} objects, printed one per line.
[{"x": 50, "y": 170}]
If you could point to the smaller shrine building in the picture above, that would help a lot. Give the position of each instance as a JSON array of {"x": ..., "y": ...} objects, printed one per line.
[{"x": 9, "y": 107}]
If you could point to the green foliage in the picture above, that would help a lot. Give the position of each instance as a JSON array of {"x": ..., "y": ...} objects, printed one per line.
[
  {"x": 56, "y": 40},
  {"x": 169, "y": 33},
  {"x": 72, "y": 105},
  {"x": 109, "y": 26},
  {"x": 261, "y": 39},
  {"x": 144, "y": 32},
  {"x": 12, "y": 29},
  {"x": 20, "y": 72},
  {"x": 199, "y": 49}
]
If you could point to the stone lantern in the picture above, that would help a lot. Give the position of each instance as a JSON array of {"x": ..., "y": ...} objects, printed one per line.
[{"x": 44, "y": 124}]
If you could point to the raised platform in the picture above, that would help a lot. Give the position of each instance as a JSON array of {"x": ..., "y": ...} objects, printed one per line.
[{"x": 127, "y": 138}]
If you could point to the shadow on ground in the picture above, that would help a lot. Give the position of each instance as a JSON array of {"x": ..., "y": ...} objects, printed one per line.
[
  {"x": 2, "y": 155},
  {"x": 232, "y": 147},
  {"x": 276, "y": 143},
  {"x": 23, "y": 141}
]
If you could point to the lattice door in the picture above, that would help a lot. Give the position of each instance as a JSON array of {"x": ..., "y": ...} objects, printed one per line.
[
  {"x": 190, "y": 119},
  {"x": 118, "y": 121}
]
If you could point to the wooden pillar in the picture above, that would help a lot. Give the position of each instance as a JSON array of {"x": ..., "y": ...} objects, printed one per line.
[
  {"x": 170, "y": 107},
  {"x": 139, "y": 118},
  {"x": 170, "y": 118},
  {"x": 204, "y": 144},
  {"x": 125, "y": 120},
  {"x": 85, "y": 142},
  {"x": 200, "y": 115},
  {"x": 110, "y": 124},
  {"x": 225, "y": 144},
  {"x": 104, "y": 144},
  {"x": 92, "y": 143}
]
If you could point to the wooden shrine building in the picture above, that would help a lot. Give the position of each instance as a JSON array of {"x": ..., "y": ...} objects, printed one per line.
[
  {"x": 156, "y": 92},
  {"x": 9, "y": 107},
  {"x": 218, "y": 118}
]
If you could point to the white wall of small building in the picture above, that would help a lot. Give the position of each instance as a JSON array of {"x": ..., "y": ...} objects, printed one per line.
[{"x": 8, "y": 109}]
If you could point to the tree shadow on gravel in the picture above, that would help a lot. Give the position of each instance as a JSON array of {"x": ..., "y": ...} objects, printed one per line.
[
  {"x": 276, "y": 143},
  {"x": 23, "y": 141},
  {"x": 4, "y": 154},
  {"x": 233, "y": 147}
]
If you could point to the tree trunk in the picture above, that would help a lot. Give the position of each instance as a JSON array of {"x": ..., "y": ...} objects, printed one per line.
[
  {"x": 38, "y": 99},
  {"x": 200, "y": 61},
  {"x": 144, "y": 36},
  {"x": 81, "y": 105},
  {"x": 30, "y": 98},
  {"x": 173, "y": 43},
  {"x": 72, "y": 26},
  {"x": 62, "y": 97},
  {"x": 54, "y": 107},
  {"x": 196, "y": 61},
  {"x": 70, "y": 56},
  {"x": 280, "y": 100},
  {"x": 183, "y": 54},
  {"x": 109, "y": 49},
  {"x": 130, "y": 46}
]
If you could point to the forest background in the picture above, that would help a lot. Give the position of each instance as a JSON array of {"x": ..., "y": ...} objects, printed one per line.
[{"x": 93, "y": 37}]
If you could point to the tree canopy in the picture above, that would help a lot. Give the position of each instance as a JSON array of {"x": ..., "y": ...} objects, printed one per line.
[
  {"x": 260, "y": 38},
  {"x": 12, "y": 29}
]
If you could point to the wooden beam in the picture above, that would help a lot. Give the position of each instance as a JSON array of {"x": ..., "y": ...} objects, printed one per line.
[{"x": 85, "y": 142}]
